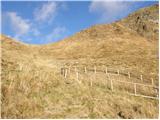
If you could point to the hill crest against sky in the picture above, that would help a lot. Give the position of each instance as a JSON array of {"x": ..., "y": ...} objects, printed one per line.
[
  {"x": 47, "y": 22},
  {"x": 32, "y": 72}
]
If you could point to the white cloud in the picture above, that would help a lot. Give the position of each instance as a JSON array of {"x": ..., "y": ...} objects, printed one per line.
[
  {"x": 46, "y": 12},
  {"x": 19, "y": 25},
  {"x": 109, "y": 10},
  {"x": 56, "y": 34},
  {"x": 24, "y": 29}
]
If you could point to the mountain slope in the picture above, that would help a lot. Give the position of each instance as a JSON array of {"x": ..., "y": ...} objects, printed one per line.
[
  {"x": 32, "y": 86},
  {"x": 124, "y": 43},
  {"x": 95, "y": 41}
]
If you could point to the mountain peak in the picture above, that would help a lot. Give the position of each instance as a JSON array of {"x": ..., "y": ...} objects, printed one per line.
[{"x": 145, "y": 22}]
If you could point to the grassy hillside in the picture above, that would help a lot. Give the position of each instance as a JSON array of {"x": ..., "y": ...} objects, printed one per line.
[
  {"x": 123, "y": 44},
  {"x": 32, "y": 86}
]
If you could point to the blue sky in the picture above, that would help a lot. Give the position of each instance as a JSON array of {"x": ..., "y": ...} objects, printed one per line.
[{"x": 36, "y": 22}]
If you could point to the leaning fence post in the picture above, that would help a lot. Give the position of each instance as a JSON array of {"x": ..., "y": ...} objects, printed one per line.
[
  {"x": 129, "y": 75},
  {"x": 135, "y": 90}
]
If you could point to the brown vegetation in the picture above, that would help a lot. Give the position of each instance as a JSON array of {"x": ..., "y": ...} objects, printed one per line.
[{"x": 32, "y": 86}]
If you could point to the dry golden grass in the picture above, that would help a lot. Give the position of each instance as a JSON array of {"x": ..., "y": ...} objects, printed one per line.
[
  {"x": 38, "y": 92},
  {"x": 32, "y": 86},
  {"x": 130, "y": 50}
]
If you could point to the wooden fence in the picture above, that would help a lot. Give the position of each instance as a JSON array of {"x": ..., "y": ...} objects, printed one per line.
[{"x": 65, "y": 71}]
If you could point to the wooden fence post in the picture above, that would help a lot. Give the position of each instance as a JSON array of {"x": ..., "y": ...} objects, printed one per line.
[
  {"x": 65, "y": 73},
  {"x": 85, "y": 69},
  {"x": 129, "y": 75},
  {"x": 141, "y": 78},
  {"x": 77, "y": 76},
  {"x": 157, "y": 93},
  {"x": 152, "y": 81},
  {"x": 95, "y": 69},
  {"x": 118, "y": 72},
  {"x": 111, "y": 84},
  {"x": 135, "y": 89},
  {"x": 20, "y": 67}
]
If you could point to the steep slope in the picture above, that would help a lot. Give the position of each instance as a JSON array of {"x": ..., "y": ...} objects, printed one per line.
[
  {"x": 32, "y": 86},
  {"x": 98, "y": 42},
  {"x": 34, "y": 91},
  {"x": 95, "y": 41},
  {"x": 124, "y": 43}
]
